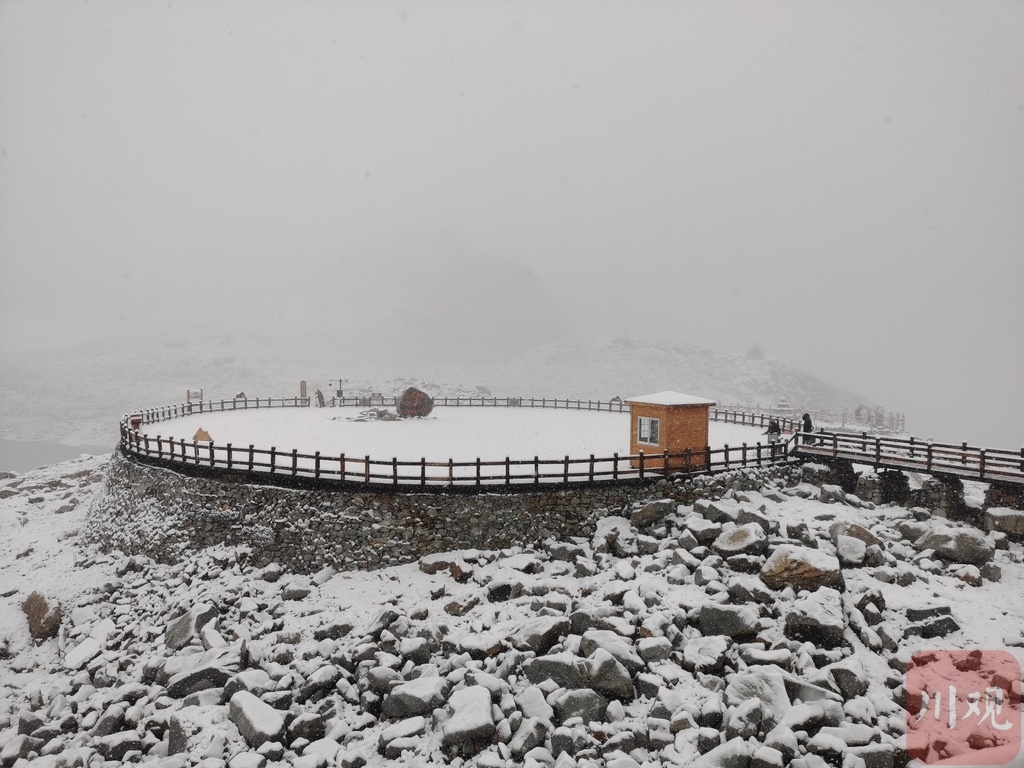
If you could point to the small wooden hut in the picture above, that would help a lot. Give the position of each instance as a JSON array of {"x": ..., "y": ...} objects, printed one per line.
[{"x": 669, "y": 421}]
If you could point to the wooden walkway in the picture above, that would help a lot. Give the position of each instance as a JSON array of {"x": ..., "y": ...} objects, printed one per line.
[{"x": 912, "y": 455}]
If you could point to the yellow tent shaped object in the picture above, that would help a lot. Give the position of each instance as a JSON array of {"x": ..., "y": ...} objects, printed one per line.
[{"x": 202, "y": 436}]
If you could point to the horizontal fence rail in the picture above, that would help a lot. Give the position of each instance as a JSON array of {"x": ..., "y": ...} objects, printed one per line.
[
  {"x": 909, "y": 454},
  {"x": 404, "y": 472},
  {"x": 988, "y": 464}
]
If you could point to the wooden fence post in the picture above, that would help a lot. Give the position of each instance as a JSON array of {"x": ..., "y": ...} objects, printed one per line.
[
  {"x": 565, "y": 471},
  {"x": 159, "y": 447},
  {"x": 394, "y": 470},
  {"x": 536, "y": 469},
  {"x": 478, "y": 470},
  {"x": 273, "y": 458},
  {"x": 615, "y": 467},
  {"x": 366, "y": 468},
  {"x": 878, "y": 450},
  {"x": 963, "y": 455},
  {"x": 981, "y": 464},
  {"x": 211, "y": 453},
  {"x": 508, "y": 472},
  {"x": 591, "y": 467},
  {"x": 341, "y": 467},
  {"x": 251, "y": 456},
  {"x": 641, "y": 465},
  {"x": 726, "y": 455},
  {"x": 423, "y": 470}
]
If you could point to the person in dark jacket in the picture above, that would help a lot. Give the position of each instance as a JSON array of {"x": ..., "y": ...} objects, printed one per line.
[
  {"x": 807, "y": 429},
  {"x": 774, "y": 433}
]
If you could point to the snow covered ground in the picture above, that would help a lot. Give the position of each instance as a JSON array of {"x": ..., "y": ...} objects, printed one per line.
[
  {"x": 462, "y": 434},
  {"x": 650, "y": 644}
]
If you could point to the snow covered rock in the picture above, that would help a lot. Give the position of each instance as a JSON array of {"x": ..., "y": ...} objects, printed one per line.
[
  {"x": 256, "y": 720},
  {"x": 584, "y": 703},
  {"x": 1005, "y": 520},
  {"x": 729, "y": 620},
  {"x": 44, "y": 616},
  {"x": 749, "y": 539},
  {"x": 817, "y": 617},
  {"x": 765, "y": 684},
  {"x": 802, "y": 568},
  {"x": 564, "y": 669},
  {"x": 652, "y": 512},
  {"x": 471, "y": 719},
  {"x": 416, "y": 697},
  {"x": 965, "y": 545},
  {"x": 538, "y": 635},
  {"x": 181, "y": 630},
  {"x": 609, "y": 677}
]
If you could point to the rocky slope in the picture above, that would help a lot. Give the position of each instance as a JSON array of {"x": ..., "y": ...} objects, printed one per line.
[{"x": 760, "y": 629}]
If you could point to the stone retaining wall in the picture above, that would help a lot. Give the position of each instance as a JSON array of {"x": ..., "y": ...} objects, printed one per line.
[{"x": 161, "y": 513}]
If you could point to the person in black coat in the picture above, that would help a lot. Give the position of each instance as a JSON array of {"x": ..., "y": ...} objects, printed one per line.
[
  {"x": 774, "y": 433},
  {"x": 807, "y": 429}
]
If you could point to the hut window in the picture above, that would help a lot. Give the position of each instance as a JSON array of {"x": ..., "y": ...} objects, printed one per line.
[{"x": 649, "y": 431}]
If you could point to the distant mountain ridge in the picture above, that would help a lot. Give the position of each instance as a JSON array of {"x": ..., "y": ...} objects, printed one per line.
[
  {"x": 77, "y": 395},
  {"x": 630, "y": 367}
]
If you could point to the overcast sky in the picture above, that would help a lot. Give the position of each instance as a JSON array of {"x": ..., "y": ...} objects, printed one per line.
[{"x": 842, "y": 182}]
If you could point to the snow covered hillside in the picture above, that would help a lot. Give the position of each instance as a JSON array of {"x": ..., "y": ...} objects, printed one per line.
[
  {"x": 764, "y": 628},
  {"x": 76, "y": 396}
]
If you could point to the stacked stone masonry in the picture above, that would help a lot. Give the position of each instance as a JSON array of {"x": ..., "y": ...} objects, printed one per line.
[{"x": 160, "y": 513}]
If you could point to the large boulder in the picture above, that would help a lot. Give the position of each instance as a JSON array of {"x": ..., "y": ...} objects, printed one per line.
[
  {"x": 1005, "y": 520},
  {"x": 964, "y": 545},
  {"x": 257, "y": 721},
  {"x": 417, "y": 697},
  {"x": 818, "y": 618},
  {"x": 802, "y": 568},
  {"x": 43, "y": 616},
  {"x": 729, "y": 620},
  {"x": 415, "y": 402},
  {"x": 764, "y": 683},
  {"x": 471, "y": 719},
  {"x": 749, "y": 539},
  {"x": 181, "y": 630}
]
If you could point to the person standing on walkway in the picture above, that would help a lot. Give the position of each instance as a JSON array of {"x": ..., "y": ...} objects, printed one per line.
[
  {"x": 774, "y": 433},
  {"x": 807, "y": 429}
]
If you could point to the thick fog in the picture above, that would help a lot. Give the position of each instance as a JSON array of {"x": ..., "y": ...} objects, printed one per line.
[{"x": 841, "y": 183}]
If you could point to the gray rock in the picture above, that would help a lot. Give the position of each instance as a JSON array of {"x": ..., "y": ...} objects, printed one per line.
[
  {"x": 652, "y": 513},
  {"x": 765, "y": 684},
  {"x": 530, "y": 733},
  {"x": 115, "y": 746},
  {"x": 416, "y": 697},
  {"x": 538, "y": 635},
  {"x": 851, "y": 551},
  {"x": 471, "y": 719},
  {"x": 584, "y": 703},
  {"x": 818, "y": 618},
  {"x": 729, "y": 620},
  {"x": 111, "y": 721},
  {"x": 257, "y": 721},
  {"x": 966, "y": 545},
  {"x": 1005, "y": 520},
  {"x": 802, "y": 568},
  {"x": 181, "y": 630},
  {"x": 749, "y": 539},
  {"x": 609, "y": 677},
  {"x": 564, "y": 669},
  {"x": 744, "y": 720}
]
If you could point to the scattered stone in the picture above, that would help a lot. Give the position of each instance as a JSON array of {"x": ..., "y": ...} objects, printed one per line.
[
  {"x": 44, "y": 616},
  {"x": 802, "y": 568}
]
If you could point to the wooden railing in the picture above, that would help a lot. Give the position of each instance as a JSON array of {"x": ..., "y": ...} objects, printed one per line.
[
  {"x": 508, "y": 471},
  {"x": 911, "y": 454}
]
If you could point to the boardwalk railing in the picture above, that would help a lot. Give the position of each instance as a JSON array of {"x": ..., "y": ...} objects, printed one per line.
[
  {"x": 913, "y": 455},
  {"x": 367, "y": 470}
]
